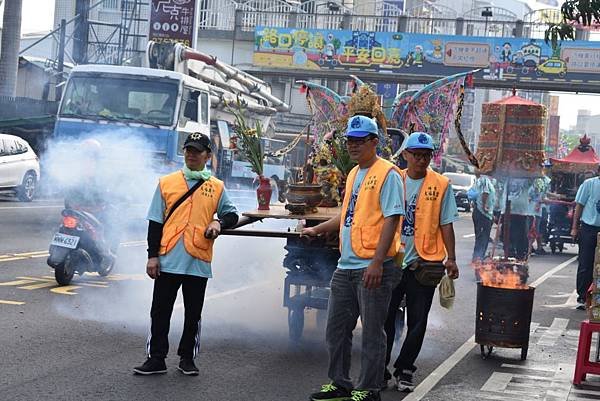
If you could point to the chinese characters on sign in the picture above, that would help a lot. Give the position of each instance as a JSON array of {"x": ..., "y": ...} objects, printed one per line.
[
  {"x": 173, "y": 21},
  {"x": 497, "y": 58},
  {"x": 581, "y": 60},
  {"x": 467, "y": 54}
]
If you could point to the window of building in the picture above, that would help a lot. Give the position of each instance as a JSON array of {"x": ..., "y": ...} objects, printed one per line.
[{"x": 111, "y": 4}]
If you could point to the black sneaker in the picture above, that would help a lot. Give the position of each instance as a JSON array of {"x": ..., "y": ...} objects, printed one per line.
[
  {"x": 404, "y": 381},
  {"x": 331, "y": 392},
  {"x": 362, "y": 395},
  {"x": 387, "y": 376},
  {"x": 187, "y": 367},
  {"x": 152, "y": 366}
]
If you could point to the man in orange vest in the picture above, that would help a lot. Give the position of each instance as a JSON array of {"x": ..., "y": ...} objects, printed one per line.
[
  {"x": 180, "y": 242},
  {"x": 428, "y": 236},
  {"x": 363, "y": 282}
]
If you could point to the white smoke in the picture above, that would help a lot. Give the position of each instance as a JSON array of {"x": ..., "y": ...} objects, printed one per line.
[{"x": 125, "y": 167}]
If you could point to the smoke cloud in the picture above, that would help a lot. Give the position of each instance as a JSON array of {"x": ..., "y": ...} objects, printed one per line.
[{"x": 244, "y": 299}]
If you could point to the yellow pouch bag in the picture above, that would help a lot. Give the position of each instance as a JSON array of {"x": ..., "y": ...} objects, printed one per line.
[{"x": 447, "y": 292}]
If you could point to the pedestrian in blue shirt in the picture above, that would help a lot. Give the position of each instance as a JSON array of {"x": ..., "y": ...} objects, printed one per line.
[
  {"x": 181, "y": 231},
  {"x": 585, "y": 228},
  {"x": 362, "y": 284},
  {"x": 428, "y": 235},
  {"x": 483, "y": 215}
]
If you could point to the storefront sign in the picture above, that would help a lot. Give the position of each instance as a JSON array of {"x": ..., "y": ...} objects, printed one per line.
[
  {"x": 173, "y": 21},
  {"x": 501, "y": 59}
]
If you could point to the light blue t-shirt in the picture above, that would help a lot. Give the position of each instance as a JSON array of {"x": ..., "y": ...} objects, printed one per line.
[
  {"x": 520, "y": 194},
  {"x": 178, "y": 261},
  {"x": 588, "y": 195},
  {"x": 448, "y": 214},
  {"x": 391, "y": 201},
  {"x": 485, "y": 186},
  {"x": 540, "y": 187}
]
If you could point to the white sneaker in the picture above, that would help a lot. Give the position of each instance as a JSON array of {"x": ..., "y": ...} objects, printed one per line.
[{"x": 404, "y": 381}]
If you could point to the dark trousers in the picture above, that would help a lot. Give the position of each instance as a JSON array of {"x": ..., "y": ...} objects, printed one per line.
[
  {"x": 163, "y": 299},
  {"x": 482, "y": 226},
  {"x": 418, "y": 304},
  {"x": 585, "y": 268},
  {"x": 518, "y": 241}
]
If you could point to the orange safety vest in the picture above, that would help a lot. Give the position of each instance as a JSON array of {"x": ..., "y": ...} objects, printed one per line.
[
  {"x": 192, "y": 217},
  {"x": 368, "y": 218},
  {"x": 429, "y": 242}
]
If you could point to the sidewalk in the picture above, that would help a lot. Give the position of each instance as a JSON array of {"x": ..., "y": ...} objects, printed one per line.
[{"x": 547, "y": 373}]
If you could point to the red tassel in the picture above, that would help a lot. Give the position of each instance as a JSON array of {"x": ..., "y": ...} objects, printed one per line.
[
  {"x": 303, "y": 89},
  {"x": 469, "y": 81}
]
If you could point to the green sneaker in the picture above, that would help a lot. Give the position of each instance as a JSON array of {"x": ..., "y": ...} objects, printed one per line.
[
  {"x": 331, "y": 392},
  {"x": 363, "y": 395}
]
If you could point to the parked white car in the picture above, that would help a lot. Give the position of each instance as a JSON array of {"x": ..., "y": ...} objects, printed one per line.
[
  {"x": 461, "y": 183},
  {"x": 19, "y": 167}
]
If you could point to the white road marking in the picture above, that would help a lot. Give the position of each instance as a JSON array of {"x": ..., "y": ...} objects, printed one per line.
[
  {"x": 438, "y": 374},
  {"x": 42, "y": 254},
  {"x": 551, "y": 335},
  {"x": 497, "y": 382},
  {"x": 32, "y": 207},
  {"x": 550, "y": 273},
  {"x": 230, "y": 292},
  {"x": 5, "y": 302},
  {"x": 571, "y": 301},
  {"x": 468, "y": 235},
  {"x": 430, "y": 381}
]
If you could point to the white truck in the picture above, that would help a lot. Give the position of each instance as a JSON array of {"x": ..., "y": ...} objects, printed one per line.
[{"x": 181, "y": 91}]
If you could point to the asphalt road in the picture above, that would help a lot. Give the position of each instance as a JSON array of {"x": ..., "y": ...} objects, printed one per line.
[{"x": 81, "y": 341}]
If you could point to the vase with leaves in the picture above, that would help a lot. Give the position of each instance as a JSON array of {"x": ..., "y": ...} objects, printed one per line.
[{"x": 248, "y": 137}]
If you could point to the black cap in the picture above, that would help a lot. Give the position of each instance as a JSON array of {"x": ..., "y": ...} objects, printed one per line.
[{"x": 197, "y": 141}]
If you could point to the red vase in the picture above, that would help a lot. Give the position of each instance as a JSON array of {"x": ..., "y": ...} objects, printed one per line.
[{"x": 263, "y": 193}]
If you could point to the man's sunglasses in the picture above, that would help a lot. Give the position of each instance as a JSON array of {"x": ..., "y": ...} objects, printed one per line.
[
  {"x": 357, "y": 141},
  {"x": 421, "y": 156}
]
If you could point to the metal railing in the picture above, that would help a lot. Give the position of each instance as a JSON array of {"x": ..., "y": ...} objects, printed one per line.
[{"x": 230, "y": 18}]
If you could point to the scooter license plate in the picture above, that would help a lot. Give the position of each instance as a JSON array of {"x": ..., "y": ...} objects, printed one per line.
[{"x": 65, "y": 241}]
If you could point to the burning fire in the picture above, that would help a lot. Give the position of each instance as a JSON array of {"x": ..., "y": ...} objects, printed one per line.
[{"x": 502, "y": 274}]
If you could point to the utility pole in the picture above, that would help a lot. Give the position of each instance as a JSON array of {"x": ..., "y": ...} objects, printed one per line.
[
  {"x": 11, "y": 40},
  {"x": 61, "y": 58}
]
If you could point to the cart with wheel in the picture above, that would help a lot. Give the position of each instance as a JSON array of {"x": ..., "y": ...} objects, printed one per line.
[{"x": 309, "y": 262}]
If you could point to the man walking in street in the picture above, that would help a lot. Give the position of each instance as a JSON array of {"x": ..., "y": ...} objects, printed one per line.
[
  {"x": 363, "y": 282},
  {"x": 483, "y": 215},
  {"x": 181, "y": 233},
  {"x": 586, "y": 225},
  {"x": 428, "y": 236}
]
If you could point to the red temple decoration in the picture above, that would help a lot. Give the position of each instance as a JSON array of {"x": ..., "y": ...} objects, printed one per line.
[
  {"x": 582, "y": 158},
  {"x": 512, "y": 137}
]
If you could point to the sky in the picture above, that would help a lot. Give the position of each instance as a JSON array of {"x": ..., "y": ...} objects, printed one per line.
[{"x": 38, "y": 15}]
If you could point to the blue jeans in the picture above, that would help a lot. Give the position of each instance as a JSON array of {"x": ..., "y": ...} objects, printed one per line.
[
  {"x": 348, "y": 300},
  {"x": 482, "y": 226}
]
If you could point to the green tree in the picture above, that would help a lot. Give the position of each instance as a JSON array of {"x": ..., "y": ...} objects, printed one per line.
[{"x": 582, "y": 12}]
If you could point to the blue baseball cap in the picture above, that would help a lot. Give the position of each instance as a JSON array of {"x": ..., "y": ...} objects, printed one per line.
[
  {"x": 361, "y": 126},
  {"x": 419, "y": 140}
]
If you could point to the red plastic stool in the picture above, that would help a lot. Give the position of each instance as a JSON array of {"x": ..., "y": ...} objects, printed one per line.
[{"x": 583, "y": 366}]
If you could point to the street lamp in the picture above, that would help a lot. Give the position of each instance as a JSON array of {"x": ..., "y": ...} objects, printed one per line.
[
  {"x": 487, "y": 13},
  {"x": 332, "y": 6}
]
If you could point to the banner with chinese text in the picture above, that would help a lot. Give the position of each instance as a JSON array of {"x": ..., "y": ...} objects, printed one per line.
[{"x": 506, "y": 59}]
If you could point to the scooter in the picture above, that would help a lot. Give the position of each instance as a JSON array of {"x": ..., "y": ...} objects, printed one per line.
[{"x": 79, "y": 246}]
